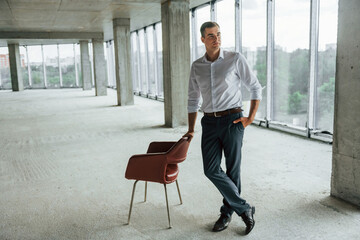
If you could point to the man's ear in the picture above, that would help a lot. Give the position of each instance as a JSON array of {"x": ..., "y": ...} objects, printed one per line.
[{"x": 203, "y": 39}]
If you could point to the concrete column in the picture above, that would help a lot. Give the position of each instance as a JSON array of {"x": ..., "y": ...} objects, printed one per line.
[
  {"x": 122, "y": 42},
  {"x": 85, "y": 65},
  {"x": 345, "y": 177},
  {"x": 99, "y": 67},
  {"x": 176, "y": 60},
  {"x": 15, "y": 67}
]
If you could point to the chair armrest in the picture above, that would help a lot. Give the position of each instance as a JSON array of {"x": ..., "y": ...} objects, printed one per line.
[
  {"x": 147, "y": 167},
  {"x": 158, "y": 147}
]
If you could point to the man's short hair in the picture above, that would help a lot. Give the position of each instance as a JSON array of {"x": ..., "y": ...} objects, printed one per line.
[{"x": 207, "y": 25}]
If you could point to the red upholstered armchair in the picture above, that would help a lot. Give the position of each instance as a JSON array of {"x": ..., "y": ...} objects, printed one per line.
[{"x": 159, "y": 164}]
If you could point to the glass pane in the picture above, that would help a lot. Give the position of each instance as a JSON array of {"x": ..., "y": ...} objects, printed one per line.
[
  {"x": 226, "y": 20},
  {"x": 113, "y": 63},
  {"x": 110, "y": 63},
  {"x": 24, "y": 68},
  {"x": 202, "y": 15},
  {"x": 291, "y": 61},
  {"x": 160, "y": 59},
  {"x": 5, "y": 78},
  {"x": 143, "y": 70},
  {"x": 52, "y": 68},
  {"x": 36, "y": 65},
  {"x": 254, "y": 47},
  {"x": 67, "y": 64},
  {"x": 91, "y": 58},
  {"x": 326, "y": 65},
  {"x": 151, "y": 64},
  {"x": 191, "y": 38},
  {"x": 134, "y": 62},
  {"x": 106, "y": 58},
  {"x": 78, "y": 64}
]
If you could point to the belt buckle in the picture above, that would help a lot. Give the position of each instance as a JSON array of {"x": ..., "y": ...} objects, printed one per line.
[{"x": 216, "y": 115}]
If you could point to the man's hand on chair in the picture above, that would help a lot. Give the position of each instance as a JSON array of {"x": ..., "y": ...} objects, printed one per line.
[{"x": 190, "y": 135}]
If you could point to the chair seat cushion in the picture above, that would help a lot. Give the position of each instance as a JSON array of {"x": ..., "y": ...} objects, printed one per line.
[{"x": 172, "y": 172}]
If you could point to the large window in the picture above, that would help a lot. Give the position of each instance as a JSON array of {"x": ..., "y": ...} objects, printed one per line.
[
  {"x": 5, "y": 79},
  {"x": 326, "y": 65},
  {"x": 110, "y": 60},
  {"x": 150, "y": 60},
  {"x": 146, "y": 64},
  {"x": 52, "y": 66},
  {"x": 78, "y": 65},
  {"x": 135, "y": 63},
  {"x": 36, "y": 66},
  {"x": 91, "y": 57},
  {"x": 225, "y": 17},
  {"x": 274, "y": 36},
  {"x": 24, "y": 66},
  {"x": 202, "y": 15},
  {"x": 254, "y": 47},
  {"x": 143, "y": 63},
  {"x": 67, "y": 64},
  {"x": 291, "y": 61},
  {"x": 160, "y": 90}
]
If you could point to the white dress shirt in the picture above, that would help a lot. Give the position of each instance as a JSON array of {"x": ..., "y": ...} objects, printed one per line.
[{"x": 219, "y": 83}]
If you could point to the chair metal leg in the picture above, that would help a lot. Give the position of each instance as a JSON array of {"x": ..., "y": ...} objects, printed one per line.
[
  {"x": 167, "y": 206},
  {"x": 145, "y": 191},
  {"x": 177, "y": 185},
  {"x": 132, "y": 199}
]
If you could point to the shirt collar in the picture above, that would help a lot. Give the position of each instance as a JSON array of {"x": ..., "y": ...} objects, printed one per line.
[{"x": 221, "y": 55}]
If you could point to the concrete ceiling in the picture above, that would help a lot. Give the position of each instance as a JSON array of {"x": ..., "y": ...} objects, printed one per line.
[{"x": 76, "y": 16}]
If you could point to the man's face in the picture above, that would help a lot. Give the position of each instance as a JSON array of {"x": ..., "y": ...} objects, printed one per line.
[{"x": 212, "y": 39}]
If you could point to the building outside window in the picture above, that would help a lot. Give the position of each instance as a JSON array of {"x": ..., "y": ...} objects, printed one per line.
[
  {"x": 325, "y": 84},
  {"x": 67, "y": 63},
  {"x": 5, "y": 79},
  {"x": 291, "y": 61},
  {"x": 52, "y": 66}
]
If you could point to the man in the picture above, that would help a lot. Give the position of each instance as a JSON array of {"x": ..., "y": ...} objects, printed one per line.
[{"x": 217, "y": 77}]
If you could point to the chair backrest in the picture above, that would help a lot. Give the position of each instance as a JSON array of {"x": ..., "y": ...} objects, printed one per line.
[{"x": 178, "y": 152}]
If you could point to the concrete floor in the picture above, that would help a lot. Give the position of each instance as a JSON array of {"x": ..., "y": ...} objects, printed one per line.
[{"x": 63, "y": 155}]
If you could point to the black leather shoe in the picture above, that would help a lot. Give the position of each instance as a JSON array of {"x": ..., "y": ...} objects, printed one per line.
[
  {"x": 248, "y": 218},
  {"x": 222, "y": 223}
]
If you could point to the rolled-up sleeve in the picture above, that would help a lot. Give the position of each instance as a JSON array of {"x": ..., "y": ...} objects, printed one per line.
[
  {"x": 249, "y": 79},
  {"x": 193, "y": 93}
]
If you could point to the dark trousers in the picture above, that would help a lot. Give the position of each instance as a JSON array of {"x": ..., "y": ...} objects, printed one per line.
[{"x": 221, "y": 134}]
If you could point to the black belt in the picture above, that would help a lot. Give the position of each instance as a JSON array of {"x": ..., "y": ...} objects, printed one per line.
[{"x": 223, "y": 113}]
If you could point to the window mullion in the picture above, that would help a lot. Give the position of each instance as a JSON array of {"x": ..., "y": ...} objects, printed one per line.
[
  {"x": 314, "y": 41},
  {"x": 238, "y": 28},
  {"x": 270, "y": 60}
]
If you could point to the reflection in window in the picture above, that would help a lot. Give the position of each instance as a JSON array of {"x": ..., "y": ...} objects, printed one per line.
[
  {"x": 226, "y": 20},
  {"x": 254, "y": 47},
  {"x": 291, "y": 61},
  {"x": 5, "y": 79},
  {"x": 67, "y": 64},
  {"x": 202, "y": 15},
  {"x": 325, "y": 88},
  {"x": 36, "y": 66}
]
